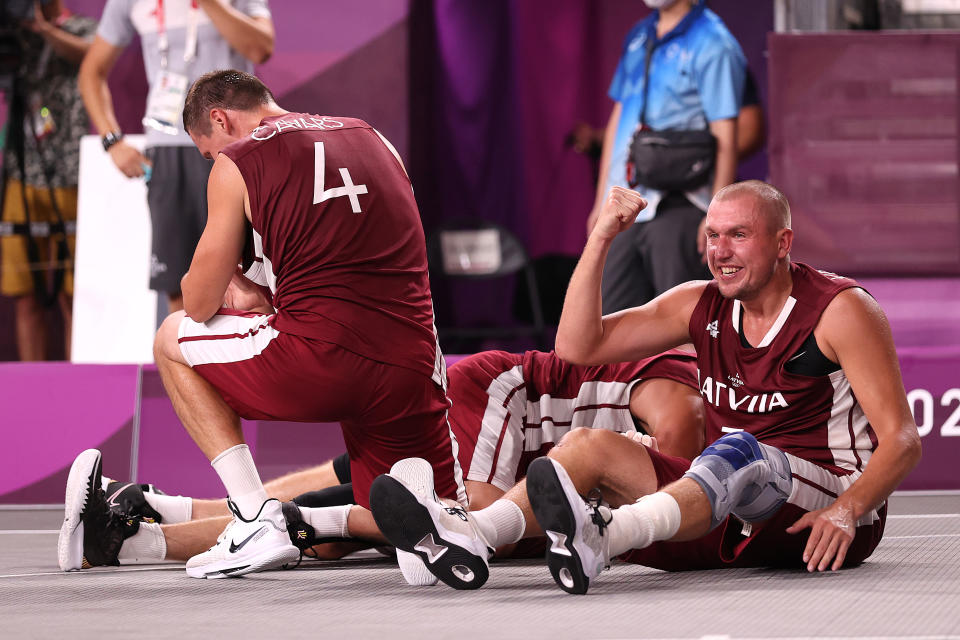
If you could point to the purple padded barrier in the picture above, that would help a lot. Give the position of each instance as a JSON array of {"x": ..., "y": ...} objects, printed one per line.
[
  {"x": 94, "y": 407},
  {"x": 930, "y": 375},
  {"x": 863, "y": 141},
  {"x": 53, "y": 411},
  {"x": 167, "y": 456},
  {"x": 170, "y": 459}
]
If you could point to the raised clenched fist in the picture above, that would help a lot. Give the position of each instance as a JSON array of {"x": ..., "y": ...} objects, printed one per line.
[{"x": 619, "y": 211}]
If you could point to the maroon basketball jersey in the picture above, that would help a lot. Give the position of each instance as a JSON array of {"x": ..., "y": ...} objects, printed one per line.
[
  {"x": 339, "y": 232},
  {"x": 509, "y": 409},
  {"x": 748, "y": 388}
]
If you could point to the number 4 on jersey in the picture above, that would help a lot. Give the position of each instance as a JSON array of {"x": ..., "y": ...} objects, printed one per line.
[{"x": 348, "y": 189}]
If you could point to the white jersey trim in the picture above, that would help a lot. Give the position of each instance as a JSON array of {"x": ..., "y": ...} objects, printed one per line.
[
  {"x": 775, "y": 328},
  {"x": 817, "y": 488},
  {"x": 847, "y": 428},
  {"x": 225, "y": 338},
  {"x": 523, "y": 425}
]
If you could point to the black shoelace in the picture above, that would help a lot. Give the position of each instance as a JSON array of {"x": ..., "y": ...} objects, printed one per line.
[{"x": 594, "y": 500}]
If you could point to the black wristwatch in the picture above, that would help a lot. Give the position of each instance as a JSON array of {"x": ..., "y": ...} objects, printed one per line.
[{"x": 110, "y": 139}]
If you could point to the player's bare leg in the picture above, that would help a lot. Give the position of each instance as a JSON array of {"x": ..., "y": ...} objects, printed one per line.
[
  {"x": 215, "y": 427},
  {"x": 209, "y": 420},
  {"x": 284, "y": 488},
  {"x": 735, "y": 475}
]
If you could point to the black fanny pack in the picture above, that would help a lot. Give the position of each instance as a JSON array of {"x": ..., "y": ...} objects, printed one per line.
[
  {"x": 671, "y": 160},
  {"x": 668, "y": 160}
]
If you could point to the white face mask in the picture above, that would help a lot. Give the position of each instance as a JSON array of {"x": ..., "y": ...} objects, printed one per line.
[{"x": 659, "y": 4}]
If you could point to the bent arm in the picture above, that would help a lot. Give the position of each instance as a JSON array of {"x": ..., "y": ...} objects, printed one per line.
[
  {"x": 251, "y": 37},
  {"x": 585, "y": 335},
  {"x": 221, "y": 244},
  {"x": 751, "y": 131},
  {"x": 92, "y": 81},
  {"x": 606, "y": 153},
  {"x": 725, "y": 170},
  {"x": 66, "y": 45},
  {"x": 855, "y": 333}
]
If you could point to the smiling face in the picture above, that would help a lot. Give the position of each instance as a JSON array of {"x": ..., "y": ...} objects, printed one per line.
[{"x": 744, "y": 245}]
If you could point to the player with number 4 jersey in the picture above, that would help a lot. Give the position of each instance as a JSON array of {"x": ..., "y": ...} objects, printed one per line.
[{"x": 332, "y": 323}]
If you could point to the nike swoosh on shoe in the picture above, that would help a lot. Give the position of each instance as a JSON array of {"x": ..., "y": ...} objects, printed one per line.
[
  {"x": 112, "y": 500},
  {"x": 234, "y": 547}
]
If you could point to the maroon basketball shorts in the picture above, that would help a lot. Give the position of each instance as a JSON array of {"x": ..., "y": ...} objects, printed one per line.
[
  {"x": 386, "y": 412},
  {"x": 734, "y": 544}
]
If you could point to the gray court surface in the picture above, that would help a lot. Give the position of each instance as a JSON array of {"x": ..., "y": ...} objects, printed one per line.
[{"x": 909, "y": 588}]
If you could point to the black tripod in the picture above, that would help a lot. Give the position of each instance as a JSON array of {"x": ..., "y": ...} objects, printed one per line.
[{"x": 20, "y": 124}]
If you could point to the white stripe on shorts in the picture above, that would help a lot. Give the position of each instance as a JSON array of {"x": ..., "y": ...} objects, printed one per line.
[
  {"x": 225, "y": 338},
  {"x": 817, "y": 488}
]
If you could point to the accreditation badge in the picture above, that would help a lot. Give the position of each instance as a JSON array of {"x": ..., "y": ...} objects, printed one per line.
[
  {"x": 39, "y": 122},
  {"x": 165, "y": 103}
]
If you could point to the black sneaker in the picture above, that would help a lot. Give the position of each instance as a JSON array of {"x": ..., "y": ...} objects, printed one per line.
[
  {"x": 128, "y": 499},
  {"x": 92, "y": 533},
  {"x": 302, "y": 535}
]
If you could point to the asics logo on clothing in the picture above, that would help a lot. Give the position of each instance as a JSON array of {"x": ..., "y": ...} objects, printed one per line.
[
  {"x": 234, "y": 547},
  {"x": 558, "y": 543},
  {"x": 112, "y": 500},
  {"x": 713, "y": 329},
  {"x": 430, "y": 548},
  {"x": 456, "y": 511}
]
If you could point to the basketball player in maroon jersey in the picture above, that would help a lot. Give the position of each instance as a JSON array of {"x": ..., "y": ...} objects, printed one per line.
[
  {"x": 804, "y": 405},
  {"x": 506, "y": 410},
  {"x": 340, "y": 331},
  {"x": 801, "y": 386}
]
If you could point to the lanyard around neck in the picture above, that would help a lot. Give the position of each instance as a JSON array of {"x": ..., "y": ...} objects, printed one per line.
[{"x": 163, "y": 42}]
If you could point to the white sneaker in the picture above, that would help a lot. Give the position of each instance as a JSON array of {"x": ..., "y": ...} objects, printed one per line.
[
  {"x": 83, "y": 480},
  {"x": 418, "y": 477},
  {"x": 246, "y": 546},
  {"x": 442, "y": 535},
  {"x": 578, "y": 550}
]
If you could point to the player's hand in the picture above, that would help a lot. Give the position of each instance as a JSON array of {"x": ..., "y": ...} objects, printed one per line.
[
  {"x": 702, "y": 240},
  {"x": 831, "y": 533},
  {"x": 128, "y": 159},
  {"x": 244, "y": 294},
  {"x": 648, "y": 441},
  {"x": 618, "y": 212},
  {"x": 39, "y": 24}
]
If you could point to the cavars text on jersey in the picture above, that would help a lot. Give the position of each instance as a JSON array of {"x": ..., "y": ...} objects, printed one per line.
[
  {"x": 265, "y": 132},
  {"x": 715, "y": 392}
]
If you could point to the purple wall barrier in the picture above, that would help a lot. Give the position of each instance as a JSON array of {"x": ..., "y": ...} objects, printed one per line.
[
  {"x": 53, "y": 411},
  {"x": 863, "y": 141}
]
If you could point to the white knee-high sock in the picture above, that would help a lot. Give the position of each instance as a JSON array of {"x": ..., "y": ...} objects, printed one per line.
[
  {"x": 650, "y": 519},
  {"x": 239, "y": 476},
  {"x": 173, "y": 509},
  {"x": 147, "y": 543},
  {"x": 500, "y": 523}
]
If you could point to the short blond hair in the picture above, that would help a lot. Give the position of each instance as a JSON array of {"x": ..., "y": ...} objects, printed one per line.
[{"x": 775, "y": 203}]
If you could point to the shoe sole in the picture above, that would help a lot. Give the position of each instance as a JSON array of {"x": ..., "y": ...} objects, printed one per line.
[
  {"x": 406, "y": 523},
  {"x": 81, "y": 482},
  {"x": 265, "y": 561},
  {"x": 551, "y": 502}
]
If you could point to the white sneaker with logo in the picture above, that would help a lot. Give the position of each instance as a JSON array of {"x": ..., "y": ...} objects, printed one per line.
[
  {"x": 418, "y": 478},
  {"x": 441, "y": 534},
  {"x": 576, "y": 528},
  {"x": 246, "y": 546}
]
